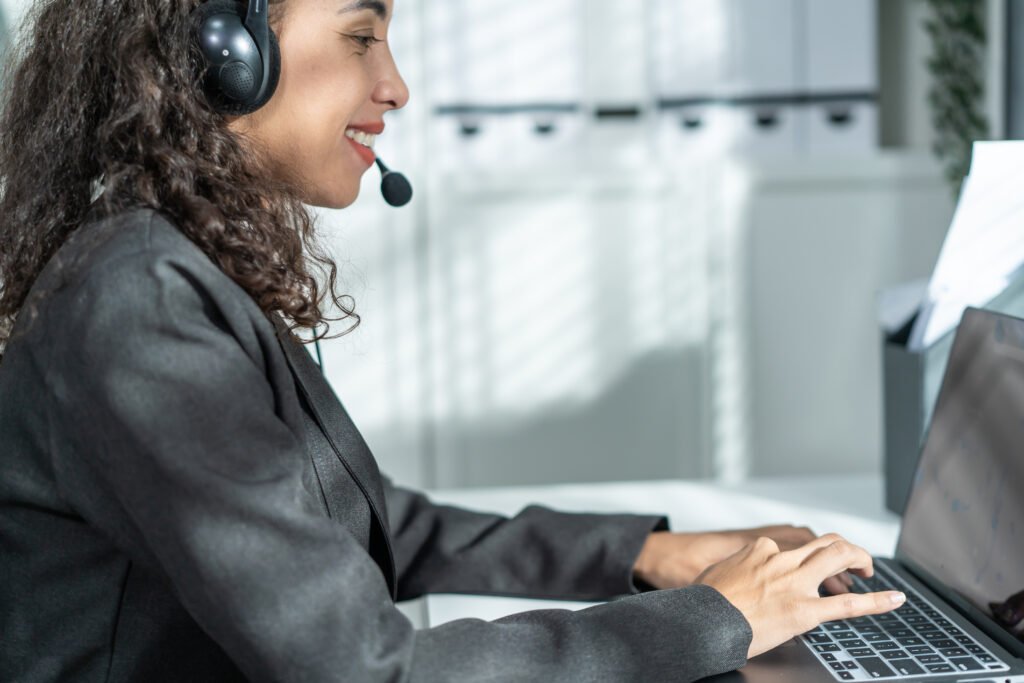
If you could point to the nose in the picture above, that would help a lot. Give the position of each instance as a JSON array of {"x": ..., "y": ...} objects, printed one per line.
[{"x": 391, "y": 89}]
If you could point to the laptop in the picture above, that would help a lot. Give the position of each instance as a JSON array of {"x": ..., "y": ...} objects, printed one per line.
[{"x": 960, "y": 554}]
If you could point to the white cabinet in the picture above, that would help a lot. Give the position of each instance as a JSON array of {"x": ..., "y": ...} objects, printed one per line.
[
  {"x": 689, "y": 46},
  {"x": 841, "y": 53},
  {"x": 504, "y": 52},
  {"x": 489, "y": 141},
  {"x": 841, "y": 127},
  {"x": 762, "y": 48}
]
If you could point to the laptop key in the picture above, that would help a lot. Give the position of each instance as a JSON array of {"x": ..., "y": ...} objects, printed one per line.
[
  {"x": 975, "y": 649},
  {"x": 920, "y": 650},
  {"x": 953, "y": 652},
  {"x": 850, "y": 664},
  {"x": 869, "y": 628},
  {"x": 939, "y": 668},
  {"x": 875, "y": 637},
  {"x": 902, "y": 633},
  {"x": 831, "y": 647},
  {"x": 852, "y": 643},
  {"x": 836, "y": 626},
  {"x": 828, "y": 657},
  {"x": 894, "y": 654},
  {"x": 944, "y": 642},
  {"x": 837, "y": 666},
  {"x": 862, "y": 652},
  {"x": 988, "y": 659},
  {"x": 819, "y": 638},
  {"x": 845, "y": 675},
  {"x": 930, "y": 659},
  {"x": 887, "y": 645},
  {"x": 954, "y": 631},
  {"x": 876, "y": 668},
  {"x": 910, "y": 641},
  {"x": 966, "y": 664},
  {"x": 906, "y": 667}
]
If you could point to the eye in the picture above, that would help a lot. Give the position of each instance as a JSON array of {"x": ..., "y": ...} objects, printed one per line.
[{"x": 365, "y": 41}]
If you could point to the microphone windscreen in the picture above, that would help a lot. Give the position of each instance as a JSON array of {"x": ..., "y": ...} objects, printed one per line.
[{"x": 396, "y": 189}]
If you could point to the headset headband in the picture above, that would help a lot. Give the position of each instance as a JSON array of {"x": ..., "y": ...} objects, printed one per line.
[{"x": 257, "y": 24}]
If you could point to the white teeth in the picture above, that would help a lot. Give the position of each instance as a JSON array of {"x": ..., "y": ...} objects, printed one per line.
[{"x": 364, "y": 139}]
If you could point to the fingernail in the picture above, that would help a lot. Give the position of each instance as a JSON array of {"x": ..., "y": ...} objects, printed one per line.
[{"x": 897, "y": 598}]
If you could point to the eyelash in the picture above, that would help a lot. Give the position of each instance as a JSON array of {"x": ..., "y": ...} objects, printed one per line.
[{"x": 366, "y": 41}]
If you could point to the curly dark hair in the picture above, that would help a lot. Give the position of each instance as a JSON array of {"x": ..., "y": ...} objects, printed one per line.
[{"x": 113, "y": 87}]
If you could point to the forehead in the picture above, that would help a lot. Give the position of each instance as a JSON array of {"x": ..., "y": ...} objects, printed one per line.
[{"x": 380, "y": 8}]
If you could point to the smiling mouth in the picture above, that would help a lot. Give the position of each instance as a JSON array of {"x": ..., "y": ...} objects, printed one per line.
[{"x": 364, "y": 139}]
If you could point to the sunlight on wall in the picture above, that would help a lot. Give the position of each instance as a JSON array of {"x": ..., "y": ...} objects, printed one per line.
[
  {"x": 493, "y": 52},
  {"x": 690, "y": 43}
]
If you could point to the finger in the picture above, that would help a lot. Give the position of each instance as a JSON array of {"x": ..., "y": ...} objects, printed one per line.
[
  {"x": 835, "y": 585},
  {"x": 849, "y": 605},
  {"x": 836, "y": 557},
  {"x": 763, "y": 545},
  {"x": 798, "y": 555},
  {"x": 795, "y": 537}
]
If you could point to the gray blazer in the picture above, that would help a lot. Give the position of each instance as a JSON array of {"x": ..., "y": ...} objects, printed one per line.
[{"x": 184, "y": 498}]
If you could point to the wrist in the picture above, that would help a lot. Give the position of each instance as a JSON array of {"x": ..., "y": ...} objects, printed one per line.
[{"x": 646, "y": 565}]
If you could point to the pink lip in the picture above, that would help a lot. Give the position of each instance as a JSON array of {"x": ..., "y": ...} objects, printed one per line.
[
  {"x": 373, "y": 128},
  {"x": 364, "y": 152}
]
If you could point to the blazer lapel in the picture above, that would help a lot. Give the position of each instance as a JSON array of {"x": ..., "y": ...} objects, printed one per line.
[{"x": 345, "y": 440}]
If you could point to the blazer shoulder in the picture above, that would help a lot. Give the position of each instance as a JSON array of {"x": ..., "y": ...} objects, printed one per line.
[
  {"x": 133, "y": 267},
  {"x": 143, "y": 233}
]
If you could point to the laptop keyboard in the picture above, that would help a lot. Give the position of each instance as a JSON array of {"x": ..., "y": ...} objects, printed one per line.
[{"x": 914, "y": 640}]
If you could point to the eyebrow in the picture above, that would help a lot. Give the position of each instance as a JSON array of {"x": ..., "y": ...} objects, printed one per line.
[{"x": 359, "y": 5}]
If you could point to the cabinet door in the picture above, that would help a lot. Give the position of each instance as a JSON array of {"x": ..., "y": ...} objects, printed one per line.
[
  {"x": 689, "y": 40},
  {"x": 504, "y": 51},
  {"x": 841, "y": 45},
  {"x": 762, "y": 48}
]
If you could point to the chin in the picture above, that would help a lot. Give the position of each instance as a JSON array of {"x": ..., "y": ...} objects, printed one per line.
[{"x": 336, "y": 200}]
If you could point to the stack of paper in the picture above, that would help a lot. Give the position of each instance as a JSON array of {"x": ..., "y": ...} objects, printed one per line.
[{"x": 984, "y": 248}]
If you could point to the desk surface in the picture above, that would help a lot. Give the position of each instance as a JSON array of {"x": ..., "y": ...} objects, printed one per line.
[{"x": 852, "y": 505}]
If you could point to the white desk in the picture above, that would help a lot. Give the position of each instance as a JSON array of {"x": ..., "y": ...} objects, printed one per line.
[{"x": 851, "y": 505}]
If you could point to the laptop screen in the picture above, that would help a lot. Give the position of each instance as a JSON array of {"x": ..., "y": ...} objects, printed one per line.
[{"x": 964, "y": 522}]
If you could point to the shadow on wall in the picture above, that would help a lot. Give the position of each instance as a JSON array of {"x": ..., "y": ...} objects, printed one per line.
[{"x": 650, "y": 417}]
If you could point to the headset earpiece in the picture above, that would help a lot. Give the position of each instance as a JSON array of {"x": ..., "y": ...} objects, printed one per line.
[{"x": 241, "y": 66}]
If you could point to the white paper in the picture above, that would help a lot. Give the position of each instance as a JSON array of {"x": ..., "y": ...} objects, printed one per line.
[{"x": 984, "y": 247}]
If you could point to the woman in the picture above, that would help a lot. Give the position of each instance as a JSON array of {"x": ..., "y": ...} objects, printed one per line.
[{"x": 183, "y": 497}]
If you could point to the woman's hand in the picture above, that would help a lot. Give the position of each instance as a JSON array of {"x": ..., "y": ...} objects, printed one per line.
[
  {"x": 674, "y": 559},
  {"x": 777, "y": 591}
]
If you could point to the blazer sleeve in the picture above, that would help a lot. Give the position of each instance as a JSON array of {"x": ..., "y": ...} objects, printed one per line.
[
  {"x": 539, "y": 552},
  {"x": 172, "y": 444}
]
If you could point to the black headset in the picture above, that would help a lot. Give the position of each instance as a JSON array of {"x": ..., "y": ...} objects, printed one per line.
[
  {"x": 241, "y": 54},
  {"x": 242, "y": 63}
]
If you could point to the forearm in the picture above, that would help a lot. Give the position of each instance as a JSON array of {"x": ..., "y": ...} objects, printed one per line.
[{"x": 539, "y": 552}]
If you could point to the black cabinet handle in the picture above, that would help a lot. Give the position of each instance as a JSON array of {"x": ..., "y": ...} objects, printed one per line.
[
  {"x": 840, "y": 117},
  {"x": 766, "y": 119},
  {"x": 544, "y": 127},
  {"x": 468, "y": 130},
  {"x": 691, "y": 122}
]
